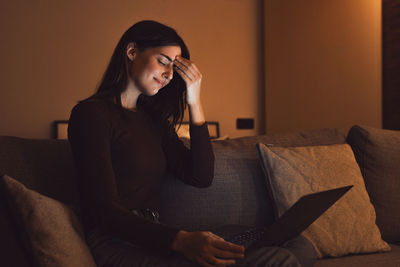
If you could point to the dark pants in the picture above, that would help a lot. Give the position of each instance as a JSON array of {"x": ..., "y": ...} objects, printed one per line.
[{"x": 113, "y": 252}]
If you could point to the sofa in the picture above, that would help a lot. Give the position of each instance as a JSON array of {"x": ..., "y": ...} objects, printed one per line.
[{"x": 239, "y": 193}]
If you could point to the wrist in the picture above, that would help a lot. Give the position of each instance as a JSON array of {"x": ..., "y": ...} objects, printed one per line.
[
  {"x": 196, "y": 114},
  {"x": 194, "y": 104}
]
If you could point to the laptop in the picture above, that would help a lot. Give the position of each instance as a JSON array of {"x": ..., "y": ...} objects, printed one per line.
[{"x": 291, "y": 224}]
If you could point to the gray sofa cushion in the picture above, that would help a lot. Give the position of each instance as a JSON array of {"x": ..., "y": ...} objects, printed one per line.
[
  {"x": 238, "y": 194},
  {"x": 378, "y": 154}
]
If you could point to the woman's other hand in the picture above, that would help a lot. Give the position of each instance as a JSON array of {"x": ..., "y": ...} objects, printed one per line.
[
  {"x": 207, "y": 249},
  {"x": 192, "y": 77}
]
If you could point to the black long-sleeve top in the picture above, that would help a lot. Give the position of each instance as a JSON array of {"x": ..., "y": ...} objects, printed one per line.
[{"x": 121, "y": 157}]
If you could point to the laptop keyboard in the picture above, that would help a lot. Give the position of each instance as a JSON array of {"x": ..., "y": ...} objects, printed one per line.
[{"x": 247, "y": 236}]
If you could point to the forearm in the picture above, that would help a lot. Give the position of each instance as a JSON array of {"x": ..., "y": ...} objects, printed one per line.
[{"x": 196, "y": 114}]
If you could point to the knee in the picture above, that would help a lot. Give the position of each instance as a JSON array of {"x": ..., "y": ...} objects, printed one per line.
[
  {"x": 271, "y": 257},
  {"x": 303, "y": 249}
]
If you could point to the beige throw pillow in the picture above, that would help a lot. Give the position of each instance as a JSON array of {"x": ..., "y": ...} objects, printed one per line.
[
  {"x": 348, "y": 227},
  {"x": 53, "y": 230}
]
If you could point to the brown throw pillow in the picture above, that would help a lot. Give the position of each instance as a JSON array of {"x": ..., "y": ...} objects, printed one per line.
[
  {"x": 378, "y": 154},
  {"x": 348, "y": 227},
  {"x": 53, "y": 231}
]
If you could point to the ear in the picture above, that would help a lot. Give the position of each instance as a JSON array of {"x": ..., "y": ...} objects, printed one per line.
[{"x": 131, "y": 51}]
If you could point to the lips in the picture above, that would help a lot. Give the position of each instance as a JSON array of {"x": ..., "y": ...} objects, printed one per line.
[{"x": 160, "y": 83}]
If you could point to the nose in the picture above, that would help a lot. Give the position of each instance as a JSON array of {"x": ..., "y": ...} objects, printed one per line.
[{"x": 169, "y": 72}]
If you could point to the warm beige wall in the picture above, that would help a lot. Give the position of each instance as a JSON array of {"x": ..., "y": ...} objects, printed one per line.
[
  {"x": 323, "y": 64},
  {"x": 54, "y": 53}
]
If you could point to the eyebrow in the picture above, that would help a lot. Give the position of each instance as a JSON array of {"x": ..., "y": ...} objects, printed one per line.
[{"x": 170, "y": 60}]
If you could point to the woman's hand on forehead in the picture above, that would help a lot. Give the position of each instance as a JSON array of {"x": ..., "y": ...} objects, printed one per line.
[{"x": 192, "y": 77}]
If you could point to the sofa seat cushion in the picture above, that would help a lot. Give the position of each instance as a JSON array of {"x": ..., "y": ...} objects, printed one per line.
[
  {"x": 391, "y": 258},
  {"x": 378, "y": 153},
  {"x": 349, "y": 225},
  {"x": 51, "y": 230}
]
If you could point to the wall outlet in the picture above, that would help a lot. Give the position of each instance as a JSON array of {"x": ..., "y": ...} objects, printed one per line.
[{"x": 245, "y": 123}]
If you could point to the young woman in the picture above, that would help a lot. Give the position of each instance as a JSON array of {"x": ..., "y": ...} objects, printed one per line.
[{"x": 123, "y": 141}]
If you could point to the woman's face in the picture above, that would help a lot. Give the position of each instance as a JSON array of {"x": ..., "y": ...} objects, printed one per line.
[{"x": 152, "y": 68}]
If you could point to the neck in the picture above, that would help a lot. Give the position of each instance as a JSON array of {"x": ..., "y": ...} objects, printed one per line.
[{"x": 129, "y": 97}]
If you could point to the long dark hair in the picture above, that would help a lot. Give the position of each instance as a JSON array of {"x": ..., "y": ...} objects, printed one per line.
[{"x": 169, "y": 104}]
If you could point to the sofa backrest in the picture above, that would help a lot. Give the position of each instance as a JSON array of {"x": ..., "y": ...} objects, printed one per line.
[
  {"x": 237, "y": 196},
  {"x": 43, "y": 165}
]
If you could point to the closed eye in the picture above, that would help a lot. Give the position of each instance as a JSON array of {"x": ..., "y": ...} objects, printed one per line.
[{"x": 161, "y": 63}]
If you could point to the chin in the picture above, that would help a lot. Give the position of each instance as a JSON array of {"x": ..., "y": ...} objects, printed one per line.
[{"x": 152, "y": 92}]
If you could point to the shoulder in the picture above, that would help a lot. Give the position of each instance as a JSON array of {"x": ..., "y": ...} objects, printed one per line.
[
  {"x": 91, "y": 111},
  {"x": 97, "y": 108},
  {"x": 92, "y": 105}
]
